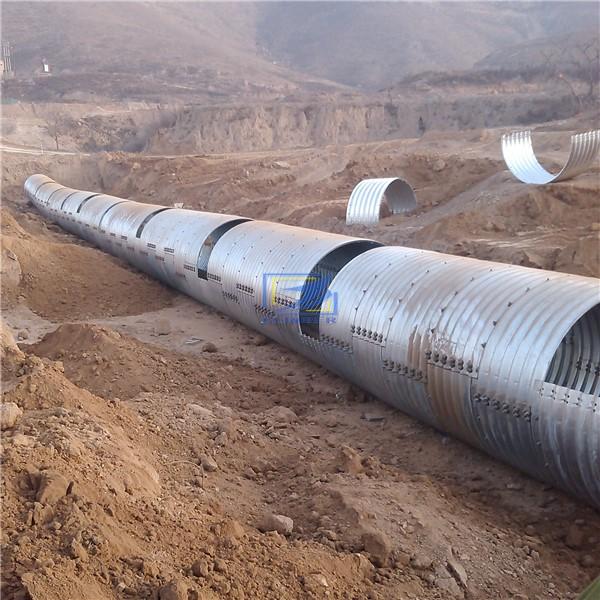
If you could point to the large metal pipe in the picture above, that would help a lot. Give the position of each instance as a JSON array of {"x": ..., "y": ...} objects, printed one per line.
[
  {"x": 369, "y": 195},
  {"x": 506, "y": 358}
]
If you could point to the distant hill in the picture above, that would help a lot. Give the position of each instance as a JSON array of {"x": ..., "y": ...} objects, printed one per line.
[
  {"x": 279, "y": 46},
  {"x": 143, "y": 38},
  {"x": 570, "y": 51},
  {"x": 371, "y": 44}
]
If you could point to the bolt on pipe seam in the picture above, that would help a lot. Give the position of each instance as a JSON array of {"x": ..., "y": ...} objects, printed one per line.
[{"x": 505, "y": 358}]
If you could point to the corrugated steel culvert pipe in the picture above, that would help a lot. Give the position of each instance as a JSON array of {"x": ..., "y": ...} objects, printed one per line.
[
  {"x": 506, "y": 358},
  {"x": 370, "y": 196}
]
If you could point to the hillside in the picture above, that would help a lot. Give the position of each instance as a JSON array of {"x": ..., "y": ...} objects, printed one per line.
[
  {"x": 371, "y": 44},
  {"x": 272, "y": 47},
  {"x": 573, "y": 51},
  {"x": 207, "y": 46}
]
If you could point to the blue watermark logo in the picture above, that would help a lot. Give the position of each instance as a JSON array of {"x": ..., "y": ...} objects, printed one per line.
[{"x": 298, "y": 297}]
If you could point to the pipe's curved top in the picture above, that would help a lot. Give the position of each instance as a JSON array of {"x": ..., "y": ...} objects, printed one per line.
[
  {"x": 517, "y": 150},
  {"x": 371, "y": 195},
  {"x": 505, "y": 357}
]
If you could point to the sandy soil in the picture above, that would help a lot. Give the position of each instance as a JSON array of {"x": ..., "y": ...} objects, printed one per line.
[{"x": 154, "y": 441}]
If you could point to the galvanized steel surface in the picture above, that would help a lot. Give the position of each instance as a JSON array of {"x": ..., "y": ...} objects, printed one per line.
[
  {"x": 506, "y": 358},
  {"x": 368, "y": 196},
  {"x": 517, "y": 150},
  {"x": 33, "y": 184}
]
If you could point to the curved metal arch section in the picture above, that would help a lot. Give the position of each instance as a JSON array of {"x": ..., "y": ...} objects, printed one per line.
[
  {"x": 209, "y": 243},
  {"x": 56, "y": 199},
  {"x": 121, "y": 229},
  {"x": 138, "y": 233},
  {"x": 308, "y": 262},
  {"x": 174, "y": 241},
  {"x": 316, "y": 299},
  {"x": 520, "y": 158},
  {"x": 73, "y": 201},
  {"x": 73, "y": 192},
  {"x": 362, "y": 286},
  {"x": 85, "y": 201},
  {"x": 33, "y": 184},
  {"x": 568, "y": 421},
  {"x": 189, "y": 244},
  {"x": 43, "y": 195},
  {"x": 242, "y": 270},
  {"x": 87, "y": 222},
  {"x": 225, "y": 257},
  {"x": 519, "y": 420},
  {"x": 250, "y": 276},
  {"x": 158, "y": 238},
  {"x": 576, "y": 362},
  {"x": 370, "y": 196}
]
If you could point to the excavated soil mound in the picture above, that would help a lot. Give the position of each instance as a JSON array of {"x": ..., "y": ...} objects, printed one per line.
[
  {"x": 110, "y": 365},
  {"x": 105, "y": 500},
  {"x": 41, "y": 384},
  {"x": 11, "y": 357},
  {"x": 552, "y": 227},
  {"x": 65, "y": 281}
]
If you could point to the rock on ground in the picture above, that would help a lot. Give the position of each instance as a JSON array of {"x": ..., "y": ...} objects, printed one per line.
[
  {"x": 349, "y": 461},
  {"x": 174, "y": 590},
  {"x": 162, "y": 327},
  {"x": 281, "y": 414},
  {"x": 230, "y": 533},
  {"x": 200, "y": 411},
  {"x": 10, "y": 413},
  {"x": 53, "y": 486},
  {"x": 200, "y": 568},
  {"x": 574, "y": 537},
  {"x": 208, "y": 463},
  {"x": 232, "y": 528},
  {"x": 378, "y": 545},
  {"x": 279, "y": 523},
  {"x": 458, "y": 571},
  {"x": 448, "y": 584}
]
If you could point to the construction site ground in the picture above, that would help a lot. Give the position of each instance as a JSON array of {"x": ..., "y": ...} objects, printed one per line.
[{"x": 156, "y": 440}]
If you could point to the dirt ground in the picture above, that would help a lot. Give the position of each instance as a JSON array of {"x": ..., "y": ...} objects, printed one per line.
[{"x": 160, "y": 450}]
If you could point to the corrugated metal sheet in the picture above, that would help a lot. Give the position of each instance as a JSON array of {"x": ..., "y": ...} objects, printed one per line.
[
  {"x": 301, "y": 284},
  {"x": 517, "y": 150},
  {"x": 367, "y": 198},
  {"x": 194, "y": 248},
  {"x": 241, "y": 271},
  {"x": 43, "y": 195},
  {"x": 121, "y": 229},
  {"x": 33, "y": 184},
  {"x": 87, "y": 215},
  {"x": 55, "y": 200},
  {"x": 68, "y": 212},
  {"x": 506, "y": 358},
  {"x": 228, "y": 249}
]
